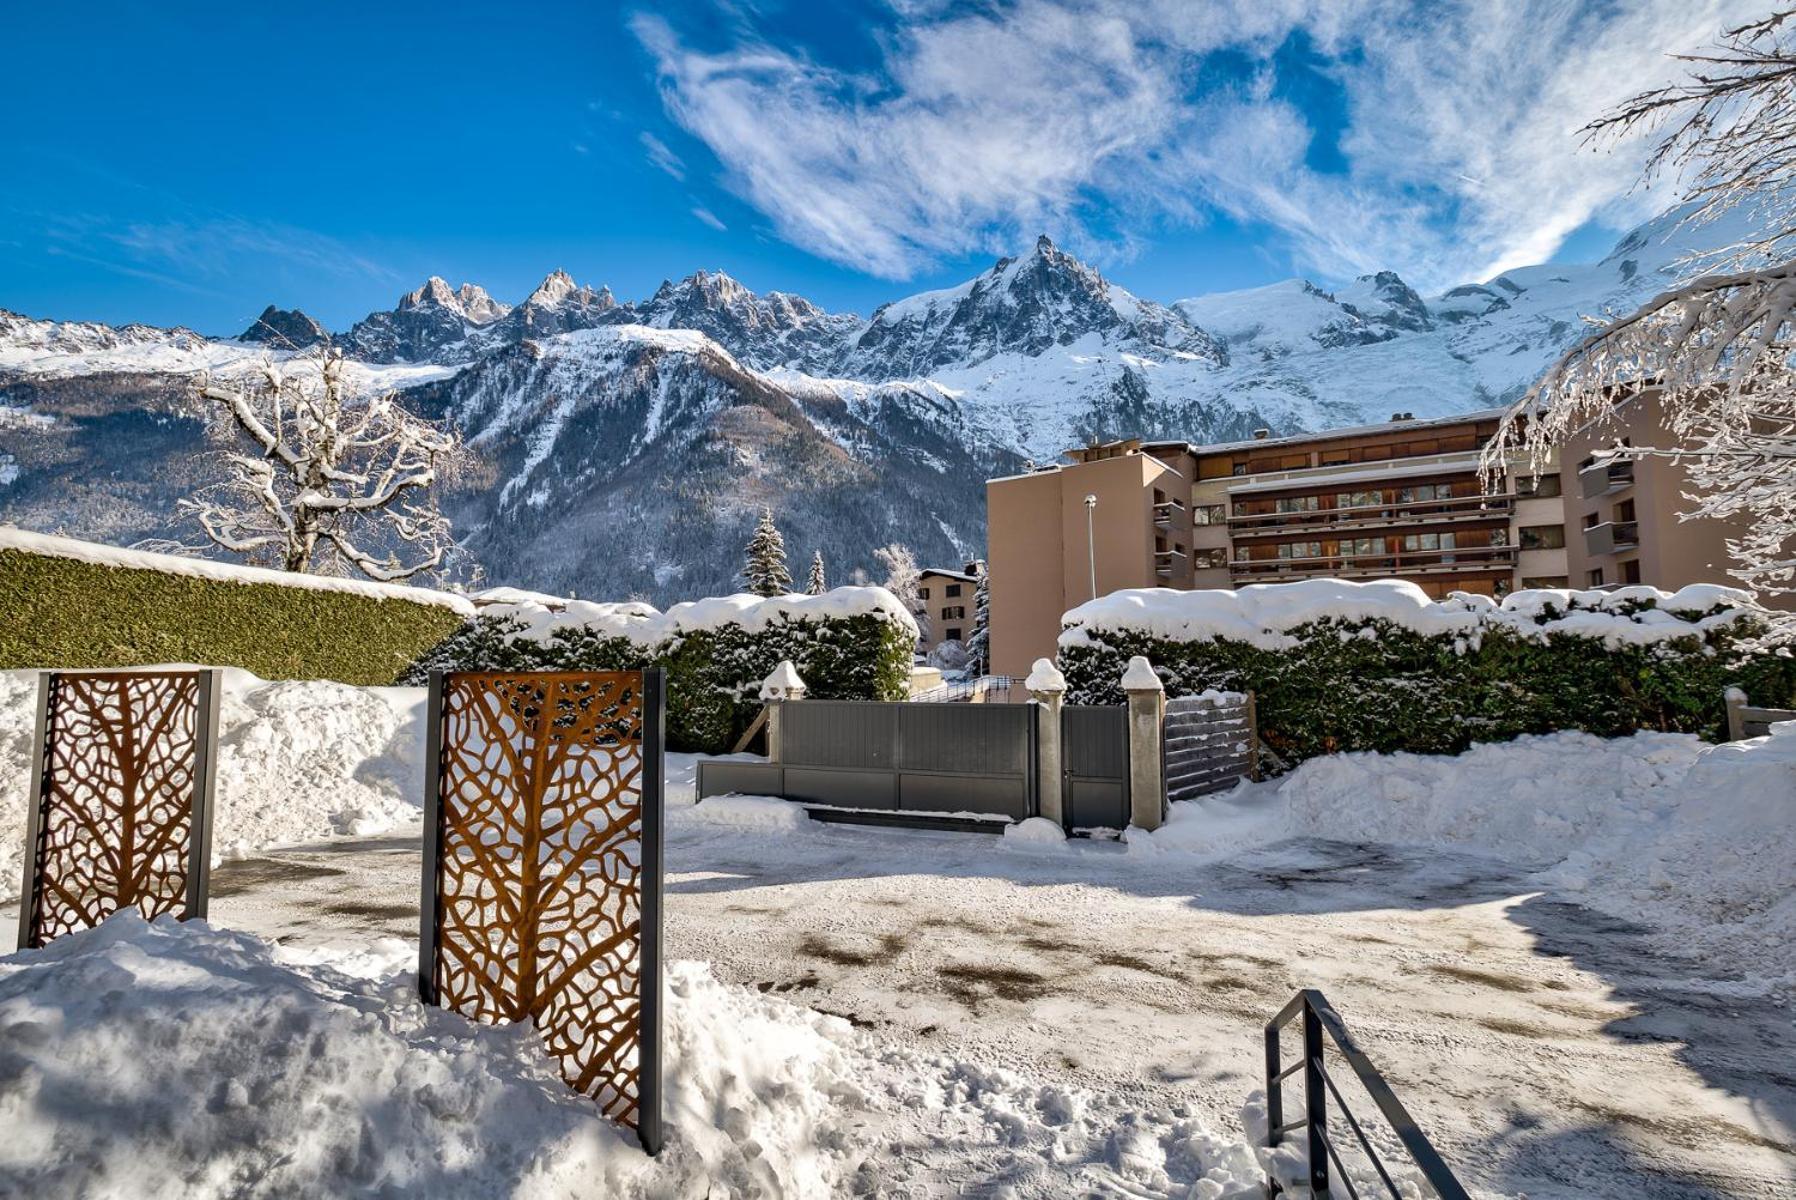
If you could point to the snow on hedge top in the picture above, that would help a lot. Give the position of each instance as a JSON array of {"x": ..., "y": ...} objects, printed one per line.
[
  {"x": 1263, "y": 614},
  {"x": 222, "y": 572},
  {"x": 646, "y": 626}
]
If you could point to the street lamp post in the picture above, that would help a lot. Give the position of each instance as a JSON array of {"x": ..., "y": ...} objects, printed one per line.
[{"x": 1091, "y": 543}]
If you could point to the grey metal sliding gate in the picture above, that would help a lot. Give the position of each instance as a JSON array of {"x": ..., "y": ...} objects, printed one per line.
[
  {"x": 895, "y": 757},
  {"x": 1094, "y": 755}
]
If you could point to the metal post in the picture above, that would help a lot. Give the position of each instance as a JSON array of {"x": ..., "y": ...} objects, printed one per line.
[
  {"x": 1275, "y": 1101},
  {"x": 205, "y": 787},
  {"x": 433, "y": 838},
  {"x": 1315, "y": 1102},
  {"x": 648, "y": 886},
  {"x": 1253, "y": 738},
  {"x": 39, "y": 783},
  {"x": 1091, "y": 542}
]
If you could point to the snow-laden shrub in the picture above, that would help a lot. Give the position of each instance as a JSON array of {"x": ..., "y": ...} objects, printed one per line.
[
  {"x": 849, "y": 644},
  {"x": 76, "y": 604},
  {"x": 1339, "y": 666}
]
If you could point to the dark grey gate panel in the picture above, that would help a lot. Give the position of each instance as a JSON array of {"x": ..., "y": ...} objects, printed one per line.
[
  {"x": 1094, "y": 752},
  {"x": 912, "y": 758},
  {"x": 1209, "y": 741},
  {"x": 839, "y": 733}
]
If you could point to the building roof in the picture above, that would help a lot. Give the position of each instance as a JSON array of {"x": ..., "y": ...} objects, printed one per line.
[
  {"x": 1482, "y": 414},
  {"x": 960, "y": 575}
]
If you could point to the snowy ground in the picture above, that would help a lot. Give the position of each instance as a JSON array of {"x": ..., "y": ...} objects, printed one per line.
[{"x": 1504, "y": 931}]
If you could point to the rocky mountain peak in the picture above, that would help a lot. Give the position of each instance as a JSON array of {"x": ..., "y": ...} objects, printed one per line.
[
  {"x": 435, "y": 293},
  {"x": 479, "y": 307},
  {"x": 284, "y": 328}
]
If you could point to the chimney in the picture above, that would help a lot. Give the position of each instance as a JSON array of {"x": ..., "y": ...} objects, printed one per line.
[{"x": 1260, "y": 435}]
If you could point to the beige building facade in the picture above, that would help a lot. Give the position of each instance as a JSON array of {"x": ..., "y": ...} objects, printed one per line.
[{"x": 948, "y": 600}]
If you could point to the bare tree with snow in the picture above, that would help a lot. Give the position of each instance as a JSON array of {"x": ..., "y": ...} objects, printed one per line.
[
  {"x": 1719, "y": 347},
  {"x": 326, "y": 481},
  {"x": 902, "y": 580}
]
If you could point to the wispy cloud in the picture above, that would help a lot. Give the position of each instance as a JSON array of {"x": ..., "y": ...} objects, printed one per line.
[
  {"x": 708, "y": 217},
  {"x": 1102, "y": 120},
  {"x": 663, "y": 158}
]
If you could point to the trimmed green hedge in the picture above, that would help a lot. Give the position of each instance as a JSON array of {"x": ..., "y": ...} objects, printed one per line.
[
  {"x": 1374, "y": 685},
  {"x": 713, "y": 675},
  {"x": 60, "y": 612}
]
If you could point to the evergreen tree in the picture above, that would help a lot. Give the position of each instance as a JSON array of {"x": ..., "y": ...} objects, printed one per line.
[
  {"x": 765, "y": 571},
  {"x": 818, "y": 584},
  {"x": 979, "y": 644}
]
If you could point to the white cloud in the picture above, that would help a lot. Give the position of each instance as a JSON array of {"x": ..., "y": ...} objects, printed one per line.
[
  {"x": 661, "y": 156},
  {"x": 708, "y": 217},
  {"x": 1101, "y": 121}
]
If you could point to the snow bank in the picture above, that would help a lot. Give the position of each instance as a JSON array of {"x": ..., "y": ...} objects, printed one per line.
[
  {"x": 222, "y": 572},
  {"x": 748, "y": 812},
  {"x": 1264, "y": 614},
  {"x": 161, "y": 1059},
  {"x": 1694, "y": 840},
  {"x": 645, "y": 626},
  {"x": 299, "y": 760}
]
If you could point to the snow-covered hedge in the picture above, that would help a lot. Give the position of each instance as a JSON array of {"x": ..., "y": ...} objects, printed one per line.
[
  {"x": 70, "y": 603},
  {"x": 854, "y": 643},
  {"x": 1337, "y": 665}
]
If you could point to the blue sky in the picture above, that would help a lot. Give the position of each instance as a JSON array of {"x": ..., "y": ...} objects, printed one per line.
[{"x": 189, "y": 163}]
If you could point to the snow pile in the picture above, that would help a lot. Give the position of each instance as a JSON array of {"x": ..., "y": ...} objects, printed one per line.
[
  {"x": 645, "y": 626},
  {"x": 223, "y": 572},
  {"x": 748, "y": 812},
  {"x": 1264, "y": 614},
  {"x": 1695, "y": 840},
  {"x": 177, "y": 1060},
  {"x": 1034, "y": 831},
  {"x": 299, "y": 760}
]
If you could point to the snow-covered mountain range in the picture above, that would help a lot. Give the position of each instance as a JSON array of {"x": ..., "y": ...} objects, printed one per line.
[{"x": 624, "y": 447}]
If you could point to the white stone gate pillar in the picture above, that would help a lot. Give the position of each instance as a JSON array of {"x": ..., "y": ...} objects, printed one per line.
[
  {"x": 778, "y": 688},
  {"x": 1047, "y": 687},
  {"x": 1147, "y": 725}
]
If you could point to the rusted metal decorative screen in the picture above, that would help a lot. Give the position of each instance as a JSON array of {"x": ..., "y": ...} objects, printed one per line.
[
  {"x": 121, "y": 810},
  {"x": 542, "y": 871}
]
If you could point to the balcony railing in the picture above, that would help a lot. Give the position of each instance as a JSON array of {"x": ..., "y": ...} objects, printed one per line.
[
  {"x": 1407, "y": 512},
  {"x": 1166, "y": 512},
  {"x": 1168, "y": 563},
  {"x": 1612, "y": 537},
  {"x": 1403, "y": 562},
  {"x": 1599, "y": 479}
]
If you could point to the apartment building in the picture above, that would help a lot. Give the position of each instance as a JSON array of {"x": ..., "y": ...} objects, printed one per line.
[
  {"x": 948, "y": 599},
  {"x": 1401, "y": 499},
  {"x": 1622, "y": 521}
]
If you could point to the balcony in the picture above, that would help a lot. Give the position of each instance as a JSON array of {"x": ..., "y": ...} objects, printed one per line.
[
  {"x": 1167, "y": 512},
  {"x": 1611, "y": 475},
  {"x": 1455, "y": 510},
  {"x": 1381, "y": 565},
  {"x": 1612, "y": 537},
  {"x": 1169, "y": 564}
]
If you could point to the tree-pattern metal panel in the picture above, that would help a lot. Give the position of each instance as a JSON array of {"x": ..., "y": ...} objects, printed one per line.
[
  {"x": 121, "y": 799},
  {"x": 543, "y": 871}
]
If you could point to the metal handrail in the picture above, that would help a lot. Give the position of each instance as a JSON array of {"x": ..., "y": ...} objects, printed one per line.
[{"x": 1319, "y": 1018}]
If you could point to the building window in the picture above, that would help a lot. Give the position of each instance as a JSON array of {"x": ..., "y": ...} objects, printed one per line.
[
  {"x": 1630, "y": 571},
  {"x": 1217, "y": 557},
  {"x": 1543, "y": 537},
  {"x": 1624, "y": 511},
  {"x": 922, "y": 593},
  {"x": 1207, "y": 514},
  {"x": 1428, "y": 541},
  {"x": 1590, "y": 520},
  {"x": 953, "y": 589},
  {"x": 952, "y": 634},
  {"x": 1298, "y": 504},
  {"x": 1300, "y": 550},
  {"x": 954, "y": 612},
  {"x": 1545, "y": 581},
  {"x": 1543, "y": 486},
  {"x": 1239, "y": 468},
  {"x": 1594, "y": 578},
  {"x": 1358, "y": 499}
]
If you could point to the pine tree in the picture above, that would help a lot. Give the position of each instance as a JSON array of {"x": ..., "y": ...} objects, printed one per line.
[
  {"x": 979, "y": 644},
  {"x": 817, "y": 584},
  {"x": 765, "y": 571}
]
